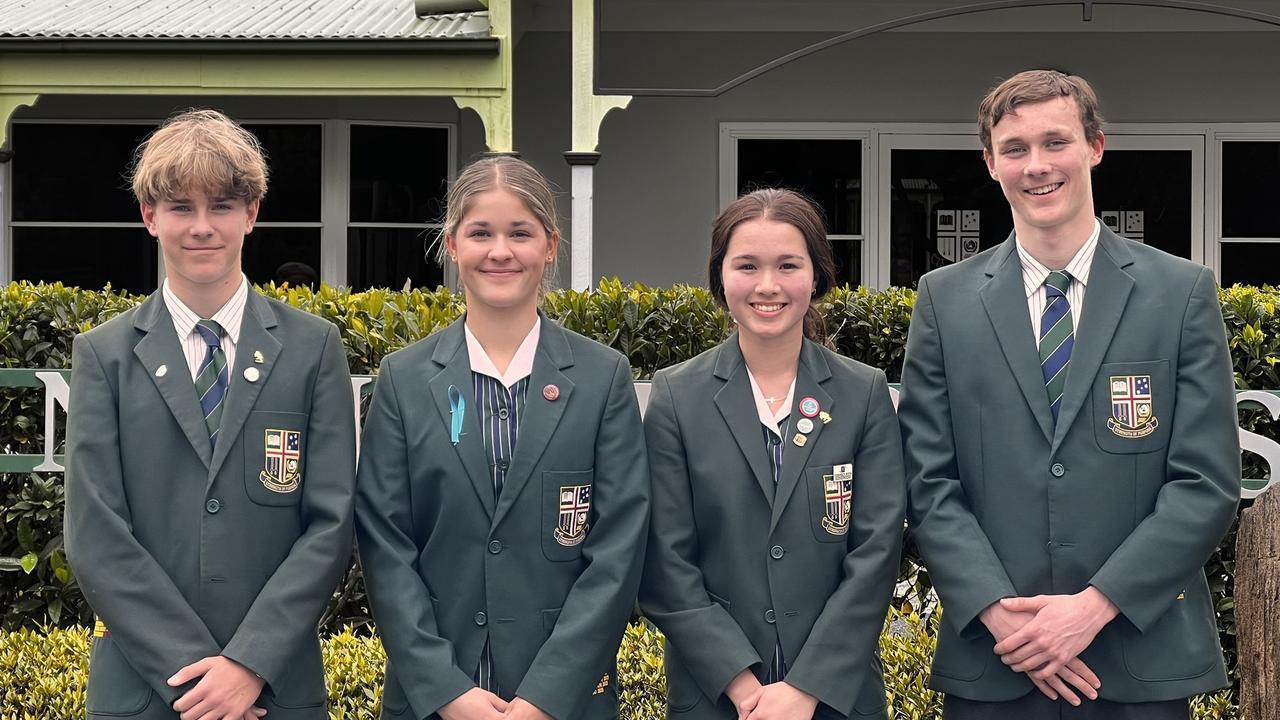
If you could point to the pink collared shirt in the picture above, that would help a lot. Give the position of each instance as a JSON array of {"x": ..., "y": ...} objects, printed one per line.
[
  {"x": 521, "y": 365},
  {"x": 229, "y": 316}
]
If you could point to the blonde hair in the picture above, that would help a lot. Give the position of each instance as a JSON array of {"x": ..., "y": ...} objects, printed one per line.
[
  {"x": 199, "y": 150},
  {"x": 511, "y": 174},
  {"x": 1032, "y": 86}
]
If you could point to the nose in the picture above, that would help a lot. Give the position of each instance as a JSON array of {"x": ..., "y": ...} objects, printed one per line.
[
  {"x": 500, "y": 249},
  {"x": 200, "y": 225},
  {"x": 1036, "y": 162},
  {"x": 767, "y": 282}
]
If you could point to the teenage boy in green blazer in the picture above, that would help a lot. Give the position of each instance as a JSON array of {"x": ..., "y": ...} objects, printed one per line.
[
  {"x": 210, "y": 461},
  {"x": 1070, "y": 435}
]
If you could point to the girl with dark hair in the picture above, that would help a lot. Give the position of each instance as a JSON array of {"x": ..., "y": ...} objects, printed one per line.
[{"x": 778, "y": 491}]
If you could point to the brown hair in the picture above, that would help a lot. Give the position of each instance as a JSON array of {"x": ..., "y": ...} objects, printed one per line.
[
  {"x": 509, "y": 173},
  {"x": 199, "y": 150},
  {"x": 1032, "y": 86},
  {"x": 784, "y": 206}
]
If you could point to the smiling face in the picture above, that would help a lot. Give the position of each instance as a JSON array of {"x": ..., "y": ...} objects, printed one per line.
[
  {"x": 502, "y": 251},
  {"x": 768, "y": 280},
  {"x": 1042, "y": 159},
  {"x": 201, "y": 237}
]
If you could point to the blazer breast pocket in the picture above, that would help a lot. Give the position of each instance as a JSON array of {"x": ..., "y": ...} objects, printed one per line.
[
  {"x": 275, "y": 445},
  {"x": 830, "y": 490},
  {"x": 1131, "y": 406},
  {"x": 566, "y": 513}
]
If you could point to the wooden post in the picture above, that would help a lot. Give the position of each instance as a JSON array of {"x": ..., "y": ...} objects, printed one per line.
[{"x": 1257, "y": 597}]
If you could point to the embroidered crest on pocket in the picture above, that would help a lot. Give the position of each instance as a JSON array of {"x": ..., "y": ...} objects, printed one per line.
[
  {"x": 575, "y": 504},
  {"x": 838, "y": 493},
  {"x": 282, "y": 450},
  {"x": 1131, "y": 406}
]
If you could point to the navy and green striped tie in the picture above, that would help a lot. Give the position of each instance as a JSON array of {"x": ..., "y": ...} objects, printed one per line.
[
  {"x": 213, "y": 378},
  {"x": 1057, "y": 337}
]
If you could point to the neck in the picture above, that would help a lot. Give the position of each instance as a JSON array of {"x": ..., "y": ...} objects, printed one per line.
[
  {"x": 771, "y": 357},
  {"x": 1055, "y": 247},
  {"x": 500, "y": 332},
  {"x": 205, "y": 300}
]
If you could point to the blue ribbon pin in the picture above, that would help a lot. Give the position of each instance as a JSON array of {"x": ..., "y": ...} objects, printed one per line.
[{"x": 457, "y": 410}]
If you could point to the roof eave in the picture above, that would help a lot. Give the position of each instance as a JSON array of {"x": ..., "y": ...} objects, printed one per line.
[{"x": 254, "y": 46}]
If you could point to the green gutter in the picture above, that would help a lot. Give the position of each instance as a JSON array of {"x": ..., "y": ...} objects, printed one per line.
[{"x": 229, "y": 46}]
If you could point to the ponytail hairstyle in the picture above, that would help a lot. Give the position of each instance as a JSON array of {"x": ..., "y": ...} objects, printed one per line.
[{"x": 784, "y": 206}]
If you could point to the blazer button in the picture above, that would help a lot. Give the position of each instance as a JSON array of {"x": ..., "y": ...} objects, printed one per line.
[
  {"x": 495, "y": 547},
  {"x": 769, "y": 616},
  {"x": 776, "y": 552},
  {"x": 213, "y": 506},
  {"x": 481, "y": 619},
  {"x": 1058, "y": 470}
]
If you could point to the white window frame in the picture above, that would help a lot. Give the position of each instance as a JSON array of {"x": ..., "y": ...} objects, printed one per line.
[
  {"x": 1251, "y": 132},
  {"x": 335, "y": 192}
]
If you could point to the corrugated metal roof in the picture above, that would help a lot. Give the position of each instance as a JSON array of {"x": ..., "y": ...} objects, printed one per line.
[{"x": 233, "y": 20}]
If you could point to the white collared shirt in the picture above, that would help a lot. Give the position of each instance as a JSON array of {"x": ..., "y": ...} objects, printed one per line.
[
  {"x": 229, "y": 316},
  {"x": 1034, "y": 274},
  {"x": 768, "y": 418},
  {"x": 521, "y": 365}
]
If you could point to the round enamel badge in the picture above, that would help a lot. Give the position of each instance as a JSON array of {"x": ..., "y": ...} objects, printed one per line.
[{"x": 809, "y": 407}]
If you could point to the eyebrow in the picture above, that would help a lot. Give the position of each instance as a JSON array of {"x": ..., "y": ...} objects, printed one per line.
[
  {"x": 485, "y": 223},
  {"x": 1051, "y": 133},
  {"x": 780, "y": 257}
]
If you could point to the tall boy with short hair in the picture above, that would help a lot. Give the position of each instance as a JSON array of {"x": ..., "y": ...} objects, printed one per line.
[
  {"x": 210, "y": 460},
  {"x": 1069, "y": 428}
]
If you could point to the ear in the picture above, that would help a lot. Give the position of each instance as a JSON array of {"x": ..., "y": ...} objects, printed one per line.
[
  {"x": 1096, "y": 147},
  {"x": 990, "y": 160},
  {"x": 553, "y": 245},
  {"x": 149, "y": 218},
  {"x": 451, "y": 245},
  {"x": 251, "y": 215}
]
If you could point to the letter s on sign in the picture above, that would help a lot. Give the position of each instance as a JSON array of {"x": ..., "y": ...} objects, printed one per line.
[{"x": 1266, "y": 447}]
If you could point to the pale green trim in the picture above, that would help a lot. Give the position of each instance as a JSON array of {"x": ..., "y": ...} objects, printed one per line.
[
  {"x": 8, "y": 103},
  {"x": 496, "y": 110},
  {"x": 589, "y": 109}
]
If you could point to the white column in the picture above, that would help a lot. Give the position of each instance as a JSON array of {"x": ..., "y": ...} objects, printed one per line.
[
  {"x": 581, "y": 274},
  {"x": 6, "y": 252}
]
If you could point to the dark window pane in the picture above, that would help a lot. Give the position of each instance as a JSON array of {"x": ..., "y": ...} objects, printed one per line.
[
  {"x": 944, "y": 207},
  {"x": 848, "y": 255},
  {"x": 73, "y": 172},
  {"x": 1145, "y": 195},
  {"x": 828, "y": 171},
  {"x": 1250, "y": 264},
  {"x": 87, "y": 257},
  {"x": 1250, "y": 173},
  {"x": 293, "y": 157},
  {"x": 385, "y": 257},
  {"x": 398, "y": 174},
  {"x": 274, "y": 254}
]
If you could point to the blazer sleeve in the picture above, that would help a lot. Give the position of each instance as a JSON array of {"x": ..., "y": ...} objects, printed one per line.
[
  {"x": 148, "y": 617},
  {"x": 422, "y": 660},
  {"x": 1198, "y": 500},
  {"x": 282, "y": 620},
  {"x": 585, "y": 639},
  {"x": 835, "y": 660},
  {"x": 962, "y": 564},
  {"x": 673, "y": 595}
]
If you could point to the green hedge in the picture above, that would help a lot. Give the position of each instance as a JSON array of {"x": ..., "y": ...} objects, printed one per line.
[
  {"x": 43, "y": 674},
  {"x": 653, "y": 327}
]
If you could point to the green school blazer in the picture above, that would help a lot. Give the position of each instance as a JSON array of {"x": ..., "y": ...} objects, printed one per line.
[
  {"x": 186, "y": 552},
  {"x": 447, "y": 566},
  {"x": 734, "y": 562},
  {"x": 1003, "y": 502}
]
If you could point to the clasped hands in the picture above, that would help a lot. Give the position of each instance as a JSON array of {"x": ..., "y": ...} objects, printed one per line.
[
  {"x": 775, "y": 701},
  {"x": 1044, "y": 635},
  {"x": 480, "y": 704},
  {"x": 226, "y": 691}
]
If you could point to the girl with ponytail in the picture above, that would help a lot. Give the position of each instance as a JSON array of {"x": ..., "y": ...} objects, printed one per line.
[{"x": 778, "y": 491}]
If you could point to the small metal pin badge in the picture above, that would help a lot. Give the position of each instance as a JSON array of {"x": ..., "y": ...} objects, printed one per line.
[
  {"x": 800, "y": 440},
  {"x": 825, "y": 417},
  {"x": 162, "y": 371},
  {"x": 551, "y": 392},
  {"x": 804, "y": 425},
  {"x": 809, "y": 406},
  {"x": 251, "y": 374},
  {"x": 257, "y": 357}
]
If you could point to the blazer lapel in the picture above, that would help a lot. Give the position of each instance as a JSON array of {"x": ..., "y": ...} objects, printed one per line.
[
  {"x": 455, "y": 371},
  {"x": 259, "y": 318},
  {"x": 159, "y": 348},
  {"x": 1104, "y": 302},
  {"x": 738, "y": 408},
  {"x": 1005, "y": 300},
  {"x": 541, "y": 416},
  {"x": 812, "y": 371}
]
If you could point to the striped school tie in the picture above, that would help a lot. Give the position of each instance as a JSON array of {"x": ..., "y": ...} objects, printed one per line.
[
  {"x": 1057, "y": 337},
  {"x": 212, "y": 379}
]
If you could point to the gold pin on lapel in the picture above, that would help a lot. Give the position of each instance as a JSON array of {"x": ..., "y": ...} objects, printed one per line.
[
  {"x": 825, "y": 417},
  {"x": 800, "y": 440},
  {"x": 257, "y": 357}
]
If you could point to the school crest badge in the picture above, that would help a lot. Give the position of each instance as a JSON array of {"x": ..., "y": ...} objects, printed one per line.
[
  {"x": 575, "y": 505},
  {"x": 1131, "y": 409},
  {"x": 282, "y": 450},
  {"x": 838, "y": 495}
]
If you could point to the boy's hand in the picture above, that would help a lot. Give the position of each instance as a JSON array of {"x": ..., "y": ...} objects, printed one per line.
[
  {"x": 744, "y": 692},
  {"x": 474, "y": 704},
  {"x": 781, "y": 701},
  {"x": 226, "y": 691},
  {"x": 521, "y": 709}
]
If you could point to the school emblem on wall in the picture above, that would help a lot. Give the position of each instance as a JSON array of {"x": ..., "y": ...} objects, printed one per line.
[
  {"x": 1131, "y": 409},
  {"x": 282, "y": 450},
  {"x": 575, "y": 505},
  {"x": 838, "y": 494}
]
